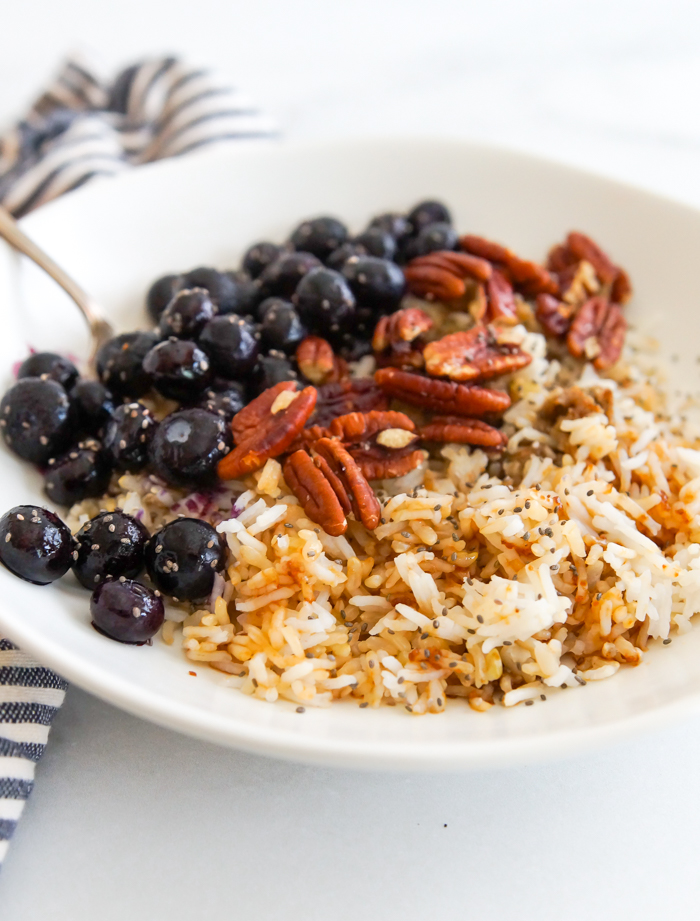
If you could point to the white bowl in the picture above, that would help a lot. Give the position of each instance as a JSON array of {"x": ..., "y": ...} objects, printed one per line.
[{"x": 116, "y": 236}]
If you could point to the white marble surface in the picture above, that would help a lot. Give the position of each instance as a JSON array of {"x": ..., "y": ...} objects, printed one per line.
[{"x": 130, "y": 821}]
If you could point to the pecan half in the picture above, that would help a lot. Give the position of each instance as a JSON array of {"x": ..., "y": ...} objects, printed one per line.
[
  {"x": 272, "y": 437},
  {"x": 500, "y": 299},
  {"x": 397, "y": 338},
  {"x": 463, "y": 265},
  {"x": 317, "y": 361},
  {"x": 473, "y": 355},
  {"x": 361, "y": 395},
  {"x": 314, "y": 491},
  {"x": 553, "y": 315},
  {"x": 577, "y": 248},
  {"x": 381, "y": 443},
  {"x": 434, "y": 282},
  {"x": 355, "y": 427},
  {"x": 446, "y": 397},
  {"x": 247, "y": 422},
  {"x": 523, "y": 273},
  {"x": 401, "y": 326},
  {"x": 463, "y": 431},
  {"x": 365, "y": 504},
  {"x": 597, "y": 333}
]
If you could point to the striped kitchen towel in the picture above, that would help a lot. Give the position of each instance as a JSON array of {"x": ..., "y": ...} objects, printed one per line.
[{"x": 83, "y": 127}]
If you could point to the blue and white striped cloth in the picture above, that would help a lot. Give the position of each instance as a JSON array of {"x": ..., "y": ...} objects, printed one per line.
[{"x": 83, "y": 127}]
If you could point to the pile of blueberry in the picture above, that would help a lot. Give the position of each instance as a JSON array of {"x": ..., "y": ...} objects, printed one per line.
[
  {"x": 106, "y": 556},
  {"x": 221, "y": 338}
]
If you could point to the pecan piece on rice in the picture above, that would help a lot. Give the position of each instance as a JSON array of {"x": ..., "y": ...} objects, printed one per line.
[
  {"x": 317, "y": 361},
  {"x": 500, "y": 299},
  {"x": 402, "y": 326},
  {"x": 247, "y": 422},
  {"x": 597, "y": 333},
  {"x": 523, "y": 273},
  {"x": 447, "y": 397},
  {"x": 365, "y": 504},
  {"x": 473, "y": 355},
  {"x": 434, "y": 282},
  {"x": 360, "y": 395},
  {"x": 381, "y": 443},
  {"x": 463, "y": 431},
  {"x": 396, "y": 339},
  {"x": 579, "y": 248},
  {"x": 273, "y": 436},
  {"x": 315, "y": 492},
  {"x": 462, "y": 265},
  {"x": 553, "y": 315}
]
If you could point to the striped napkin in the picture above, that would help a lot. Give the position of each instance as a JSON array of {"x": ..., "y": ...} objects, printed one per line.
[{"x": 83, "y": 127}]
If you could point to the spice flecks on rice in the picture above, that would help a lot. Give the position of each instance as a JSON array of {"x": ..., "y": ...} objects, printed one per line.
[{"x": 493, "y": 580}]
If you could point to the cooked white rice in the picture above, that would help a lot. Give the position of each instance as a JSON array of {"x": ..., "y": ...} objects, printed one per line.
[{"x": 490, "y": 580}]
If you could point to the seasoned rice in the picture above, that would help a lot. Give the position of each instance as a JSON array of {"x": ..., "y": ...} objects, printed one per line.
[{"x": 492, "y": 580}]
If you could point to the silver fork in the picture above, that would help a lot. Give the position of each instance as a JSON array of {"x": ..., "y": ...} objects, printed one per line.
[{"x": 100, "y": 329}]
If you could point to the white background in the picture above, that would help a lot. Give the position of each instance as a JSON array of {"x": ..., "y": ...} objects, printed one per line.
[{"x": 130, "y": 821}]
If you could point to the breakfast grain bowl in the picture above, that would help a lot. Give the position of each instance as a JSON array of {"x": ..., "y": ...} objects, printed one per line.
[{"x": 407, "y": 468}]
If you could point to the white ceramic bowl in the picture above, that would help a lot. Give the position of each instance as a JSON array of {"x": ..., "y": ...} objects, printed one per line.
[{"x": 116, "y": 236}]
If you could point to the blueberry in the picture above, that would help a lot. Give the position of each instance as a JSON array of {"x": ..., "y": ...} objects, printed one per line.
[
  {"x": 353, "y": 348},
  {"x": 281, "y": 277},
  {"x": 224, "y": 403},
  {"x": 178, "y": 368},
  {"x": 127, "y": 611},
  {"x": 57, "y": 367},
  {"x": 187, "y": 447},
  {"x": 319, "y": 236},
  {"x": 271, "y": 369},
  {"x": 248, "y": 295},
  {"x": 36, "y": 419},
  {"x": 398, "y": 225},
  {"x": 109, "y": 546},
  {"x": 269, "y": 302},
  {"x": 127, "y": 437},
  {"x": 82, "y": 473},
  {"x": 282, "y": 328},
  {"x": 377, "y": 242},
  {"x": 232, "y": 345},
  {"x": 93, "y": 405},
  {"x": 222, "y": 287},
  {"x": 340, "y": 256},
  {"x": 120, "y": 363},
  {"x": 35, "y": 544},
  {"x": 161, "y": 292},
  {"x": 187, "y": 314},
  {"x": 432, "y": 237},
  {"x": 183, "y": 557},
  {"x": 325, "y": 302},
  {"x": 428, "y": 212},
  {"x": 378, "y": 284},
  {"x": 259, "y": 256}
]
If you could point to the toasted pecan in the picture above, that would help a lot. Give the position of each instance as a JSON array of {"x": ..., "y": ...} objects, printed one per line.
[
  {"x": 523, "y": 273},
  {"x": 434, "y": 282},
  {"x": 378, "y": 463},
  {"x": 463, "y": 265},
  {"x": 473, "y": 355},
  {"x": 365, "y": 504},
  {"x": 447, "y": 397},
  {"x": 315, "y": 492},
  {"x": 463, "y": 431},
  {"x": 579, "y": 247},
  {"x": 317, "y": 361},
  {"x": 355, "y": 427},
  {"x": 500, "y": 299},
  {"x": 582, "y": 247},
  {"x": 402, "y": 326},
  {"x": 273, "y": 436},
  {"x": 553, "y": 315},
  {"x": 597, "y": 332},
  {"x": 247, "y": 422},
  {"x": 362, "y": 395}
]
